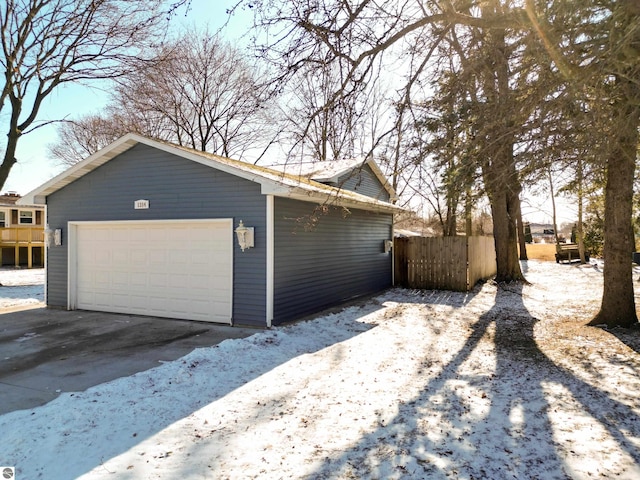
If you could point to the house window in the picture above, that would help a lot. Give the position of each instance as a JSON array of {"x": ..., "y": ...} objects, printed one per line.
[
  {"x": 2, "y": 220},
  {"x": 26, "y": 217}
]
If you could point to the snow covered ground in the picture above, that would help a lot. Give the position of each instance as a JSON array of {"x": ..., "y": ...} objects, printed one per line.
[
  {"x": 21, "y": 287},
  {"x": 496, "y": 383}
]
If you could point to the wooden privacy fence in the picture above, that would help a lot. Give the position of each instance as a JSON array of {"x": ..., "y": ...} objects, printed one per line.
[{"x": 444, "y": 263}]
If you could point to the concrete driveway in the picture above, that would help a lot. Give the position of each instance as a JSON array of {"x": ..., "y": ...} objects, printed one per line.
[{"x": 44, "y": 352}]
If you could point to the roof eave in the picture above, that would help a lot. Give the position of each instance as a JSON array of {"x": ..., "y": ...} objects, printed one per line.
[
  {"x": 383, "y": 179},
  {"x": 376, "y": 171},
  {"x": 338, "y": 199},
  {"x": 270, "y": 183}
]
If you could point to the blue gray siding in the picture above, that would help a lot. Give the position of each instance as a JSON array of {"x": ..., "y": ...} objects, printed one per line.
[
  {"x": 339, "y": 258},
  {"x": 176, "y": 188},
  {"x": 364, "y": 181}
]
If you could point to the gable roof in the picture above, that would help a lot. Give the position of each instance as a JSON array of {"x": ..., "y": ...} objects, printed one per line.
[
  {"x": 332, "y": 171},
  {"x": 272, "y": 182}
]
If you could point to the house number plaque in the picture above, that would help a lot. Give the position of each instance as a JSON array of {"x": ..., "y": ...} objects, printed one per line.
[{"x": 141, "y": 204}]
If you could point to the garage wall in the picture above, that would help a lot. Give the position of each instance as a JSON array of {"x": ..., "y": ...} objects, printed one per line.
[
  {"x": 176, "y": 188},
  {"x": 321, "y": 263},
  {"x": 364, "y": 181}
]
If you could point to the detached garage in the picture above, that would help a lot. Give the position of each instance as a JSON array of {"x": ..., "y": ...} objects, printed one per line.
[{"x": 151, "y": 228}]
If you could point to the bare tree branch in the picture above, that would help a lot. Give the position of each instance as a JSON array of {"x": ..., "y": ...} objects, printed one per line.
[{"x": 46, "y": 43}]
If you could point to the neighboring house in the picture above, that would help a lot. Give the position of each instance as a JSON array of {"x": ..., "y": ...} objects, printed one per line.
[
  {"x": 147, "y": 227},
  {"x": 543, "y": 233},
  {"x": 21, "y": 232}
]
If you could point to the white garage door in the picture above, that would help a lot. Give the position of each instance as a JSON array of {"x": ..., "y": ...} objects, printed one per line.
[{"x": 175, "y": 269}]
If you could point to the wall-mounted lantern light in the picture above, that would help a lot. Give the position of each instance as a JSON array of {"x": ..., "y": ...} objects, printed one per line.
[
  {"x": 48, "y": 236},
  {"x": 52, "y": 237},
  {"x": 245, "y": 236}
]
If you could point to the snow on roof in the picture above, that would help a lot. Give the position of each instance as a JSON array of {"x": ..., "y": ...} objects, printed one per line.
[
  {"x": 320, "y": 171},
  {"x": 331, "y": 171},
  {"x": 274, "y": 182}
]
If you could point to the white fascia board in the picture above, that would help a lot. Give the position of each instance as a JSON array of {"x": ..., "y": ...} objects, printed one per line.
[
  {"x": 272, "y": 188},
  {"x": 383, "y": 179},
  {"x": 80, "y": 169},
  {"x": 121, "y": 145},
  {"x": 268, "y": 185},
  {"x": 271, "y": 182},
  {"x": 38, "y": 196},
  {"x": 338, "y": 199}
]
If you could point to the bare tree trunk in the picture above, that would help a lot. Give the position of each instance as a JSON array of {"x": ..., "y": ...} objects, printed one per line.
[
  {"x": 13, "y": 135},
  {"x": 522, "y": 241},
  {"x": 580, "y": 225},
  {"x": 618, "y": 305},
  {"x": 499, "y": 172},
  {"x": 468, "y": 210},
  {"x": 451, "y": 225},
  {"x": 8, "y": 161},
  {"x": 502, "y": 188},
  {"x": 44, "y": 44},
  {"x": 504, "y": 232}
]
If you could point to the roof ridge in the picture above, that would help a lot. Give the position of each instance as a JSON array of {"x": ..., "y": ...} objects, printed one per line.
[{"x": 275, "y": 182}]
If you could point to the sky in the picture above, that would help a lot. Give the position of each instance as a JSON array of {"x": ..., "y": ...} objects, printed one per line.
[
  {"x": 493, "y": 383},
  {"x": 70, "y": 101}
]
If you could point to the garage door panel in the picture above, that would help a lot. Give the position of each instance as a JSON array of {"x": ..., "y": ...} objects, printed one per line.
[
  {"x": 99, "y": 299},
  {"x": 195, "y": 254},
  {"x": 177, "y": 280},
  {"x": 100, "y": 256},
  {"x": 120, "y": 280},
  {"x": 140, "y": 235},
  {"x": 117, "y": 257},
  {"x": 138, "y": 255},
  {"x": 169, "y": 269},
  {"x": 157, "y": 281},
  {"x": 99, "y": 278},
  {"x": 175, "y": 235},
  {"x": 200, "y": 307},
  {"x": 158, "y": 256},
  {"x": 137, "y": 303},
  {"x": 180, "y": 307},
  {"x": 178, "y": 257}
]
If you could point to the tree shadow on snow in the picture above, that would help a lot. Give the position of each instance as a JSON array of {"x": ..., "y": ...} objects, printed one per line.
[
  {"x": 172, "y": 395},
  {"x": 495, "y": 425},
  {"x": 629, "y": 336}
]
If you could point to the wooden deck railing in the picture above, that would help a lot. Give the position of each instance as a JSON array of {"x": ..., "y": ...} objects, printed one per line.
[
  {"x": 10, "y": 236},
  {"x": 21, "y": 238}
]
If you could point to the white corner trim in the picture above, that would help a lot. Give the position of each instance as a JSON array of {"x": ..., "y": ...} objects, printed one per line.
[
  {"x": 270, "y": 259},
  {"x": 393, "y": 252},
  {"x": 72, "y": 265}
]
